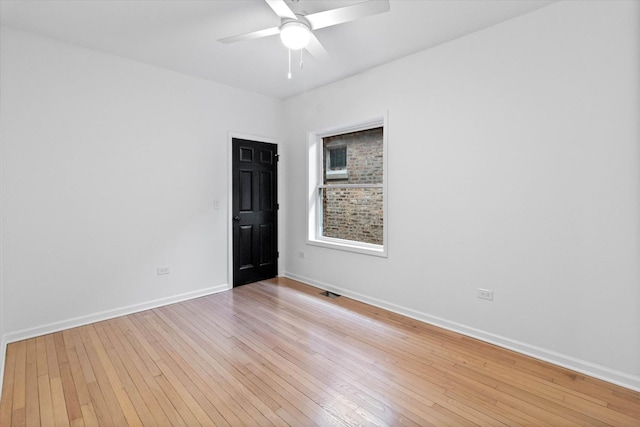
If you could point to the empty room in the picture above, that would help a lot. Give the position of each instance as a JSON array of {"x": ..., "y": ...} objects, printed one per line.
[{"x": 319, "y": 212}]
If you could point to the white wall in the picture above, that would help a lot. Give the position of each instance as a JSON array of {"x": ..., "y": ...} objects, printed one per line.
[
  {"x": 514, "y": 165},
  {"x": 110, "y": 169}
]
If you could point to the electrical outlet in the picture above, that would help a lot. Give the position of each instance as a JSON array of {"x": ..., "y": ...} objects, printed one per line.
[
  {"x": 485, "y": 294},
  {"x": 163, "y": 270},
  {"x": 301, "y": 254}
]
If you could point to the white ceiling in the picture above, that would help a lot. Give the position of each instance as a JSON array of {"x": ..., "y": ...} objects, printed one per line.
[{"x": 182, "y": 35}]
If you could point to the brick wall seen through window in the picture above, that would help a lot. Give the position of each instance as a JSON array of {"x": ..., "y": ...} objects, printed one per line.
[{"x": 353, "y": 200}]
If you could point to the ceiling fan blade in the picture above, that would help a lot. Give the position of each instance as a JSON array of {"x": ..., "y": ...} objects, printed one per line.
[
  {"x": 316, "y": 49},
  {"x": 281, "y": 9},
  {"x": 253, "y": 35},
  {"x": 347, "y": 13}
]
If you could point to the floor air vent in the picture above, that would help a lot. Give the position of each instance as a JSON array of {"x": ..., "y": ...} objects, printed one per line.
[{"x": 329, "y": 294}]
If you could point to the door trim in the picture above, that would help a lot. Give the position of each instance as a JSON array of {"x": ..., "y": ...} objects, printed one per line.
[{"x": 229, "y": 218}]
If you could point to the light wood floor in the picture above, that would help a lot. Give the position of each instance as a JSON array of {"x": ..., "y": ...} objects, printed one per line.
[{"x": 277, "y": 352}]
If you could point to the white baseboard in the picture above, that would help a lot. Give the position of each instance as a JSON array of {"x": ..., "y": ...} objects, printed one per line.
[
  {"x": 108, "y": 314},
  {"x": 591, "y": 369}
]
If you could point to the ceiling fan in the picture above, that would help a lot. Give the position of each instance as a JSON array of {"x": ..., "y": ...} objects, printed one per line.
[{"x": 296, "y": 30}]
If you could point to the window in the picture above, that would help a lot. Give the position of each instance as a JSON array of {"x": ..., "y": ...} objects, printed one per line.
[
  {"x": 336, "y": 161},
  {"x": 347, "y": 188}
]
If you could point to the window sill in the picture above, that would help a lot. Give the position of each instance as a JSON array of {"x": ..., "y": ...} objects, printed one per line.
[
  {"x": 338, "y": 174},
  {"x": 350, "y": 246}
]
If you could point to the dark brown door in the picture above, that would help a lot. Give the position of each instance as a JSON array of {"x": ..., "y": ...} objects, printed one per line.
[{"x": 255, "y": 211}]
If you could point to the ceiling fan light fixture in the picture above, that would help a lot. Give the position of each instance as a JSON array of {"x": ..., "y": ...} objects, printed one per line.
[{"x": 295, "y": 35}]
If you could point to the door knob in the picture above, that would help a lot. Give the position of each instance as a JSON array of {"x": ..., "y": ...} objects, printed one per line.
[{"x": 236, "y": 218}]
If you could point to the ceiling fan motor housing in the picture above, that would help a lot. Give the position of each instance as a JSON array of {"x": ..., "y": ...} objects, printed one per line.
[{"x": 295, "y": 34}]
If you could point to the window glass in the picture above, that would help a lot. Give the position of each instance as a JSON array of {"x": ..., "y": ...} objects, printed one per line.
[
  {"x": 338, "y": 158},
  {"x": 353, "y": 214},
  {"x": 352, "y": 194}
]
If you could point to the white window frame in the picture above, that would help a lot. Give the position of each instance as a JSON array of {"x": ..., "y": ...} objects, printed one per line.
[{"x": 315, "y": 183}]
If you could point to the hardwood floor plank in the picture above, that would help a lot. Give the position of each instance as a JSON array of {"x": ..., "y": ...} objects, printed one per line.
[
  {"x": 89, "y": 416},
  {"x": 19, "y": 417},
  {"x": 46, "y": 404},
  {"x": 101, "y": 408},
  {"x": 53, "y": 368},
  {"x": 630, "y": 407},
  {"x": 277, "y": 353},
  {"x": 6, "y": 404},
  {"x": 77, "y": 374},
  {"x": 59, "y": 403},
  {"x": 20, "y": 381},
  {"x": 41, "y": 354},
  {"x": 32, "y": 398}
]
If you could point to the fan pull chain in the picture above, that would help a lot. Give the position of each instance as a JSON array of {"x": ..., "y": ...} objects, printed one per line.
[
  {"x": 301, "y": 63},
  {"x": 289, "y": 75}
]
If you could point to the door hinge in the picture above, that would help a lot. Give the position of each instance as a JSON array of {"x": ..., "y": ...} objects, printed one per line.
[
  {"x": 277, "y": 206},
  {"x": 277, "y": 157},
  {"x": 278, "y": 254}
]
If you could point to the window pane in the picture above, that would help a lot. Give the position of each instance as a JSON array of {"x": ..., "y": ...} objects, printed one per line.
[
  {"x": 353, "y": 214},
  {"x": 338, "y": 158},
  {"x": 353, "y": 158}
]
